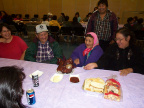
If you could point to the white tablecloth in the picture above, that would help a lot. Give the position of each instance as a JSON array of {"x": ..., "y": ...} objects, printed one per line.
[{"x": 71, "y": 95}]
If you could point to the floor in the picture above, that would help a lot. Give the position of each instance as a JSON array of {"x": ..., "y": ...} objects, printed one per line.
[{"x": 68, "y": 48}]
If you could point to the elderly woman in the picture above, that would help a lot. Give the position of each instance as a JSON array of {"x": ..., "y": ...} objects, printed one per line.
[
  {"x": 122, "y": 56},
  {"x": 11, "y": 92},
  {"x": 12, "y": 47},
  {"x": 88, "y": 52}
]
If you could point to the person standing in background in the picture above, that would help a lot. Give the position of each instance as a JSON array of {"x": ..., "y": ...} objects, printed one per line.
[{"x": 104, "y": 23}]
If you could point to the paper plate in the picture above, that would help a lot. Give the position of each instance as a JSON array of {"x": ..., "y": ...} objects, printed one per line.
[
  {"x": 56, "y": 78},
  {"x": 37, "y": 72}
]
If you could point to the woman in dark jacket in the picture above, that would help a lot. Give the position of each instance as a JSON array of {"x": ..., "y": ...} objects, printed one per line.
[{"x": 122, "y": 56}]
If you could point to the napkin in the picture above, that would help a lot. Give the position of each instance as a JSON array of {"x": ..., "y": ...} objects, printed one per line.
[{"x": 37, "y": 72}]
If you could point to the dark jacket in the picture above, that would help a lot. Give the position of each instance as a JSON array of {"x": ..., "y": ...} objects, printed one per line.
[
  {"x": 116, "y": 59},
  {"x": 31, "y": 52}
]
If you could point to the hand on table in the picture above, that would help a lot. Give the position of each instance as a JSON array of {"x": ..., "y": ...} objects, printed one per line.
[
  {"x": 76, "y": 61},
  {"x": 90, "y": 66},
  {"x": 124, "y": 72}
]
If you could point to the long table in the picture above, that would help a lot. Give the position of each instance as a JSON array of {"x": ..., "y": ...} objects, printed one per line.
[
  {"x": 65, "y": 94},
  {"x": 29, "y": 22}
]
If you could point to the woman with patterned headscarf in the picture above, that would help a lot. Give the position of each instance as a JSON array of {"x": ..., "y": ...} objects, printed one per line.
[{"x": 88, "y": 52}]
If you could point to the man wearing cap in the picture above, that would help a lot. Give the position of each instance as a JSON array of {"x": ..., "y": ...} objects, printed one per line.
[{"x": 45, "y": 49}]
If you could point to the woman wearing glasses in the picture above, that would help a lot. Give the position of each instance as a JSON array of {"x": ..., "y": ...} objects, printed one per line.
[{"x": 122, "y": 56}]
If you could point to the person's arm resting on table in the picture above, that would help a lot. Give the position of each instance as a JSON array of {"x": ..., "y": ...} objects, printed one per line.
[
  {"x": 90, "y": 66},
  {"x": 124, "y": 72}
]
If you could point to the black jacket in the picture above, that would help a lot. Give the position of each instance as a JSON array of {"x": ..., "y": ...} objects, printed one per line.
[{"x": 116, "y": 59}]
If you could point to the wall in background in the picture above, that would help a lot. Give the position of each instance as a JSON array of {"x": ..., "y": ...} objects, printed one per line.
[
  {"x": 122, "y": 8},
  {"x": 1, "y": 5}
]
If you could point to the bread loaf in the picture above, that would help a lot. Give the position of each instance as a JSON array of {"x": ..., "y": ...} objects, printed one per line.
[
  {"x": 112, "y": 90},
  {"x": 94, "y": 85}
]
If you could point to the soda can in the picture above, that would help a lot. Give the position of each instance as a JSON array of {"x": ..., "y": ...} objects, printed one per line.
[
  {"x": 35, "y": 80},
  {"x": 30, "y": 94}
]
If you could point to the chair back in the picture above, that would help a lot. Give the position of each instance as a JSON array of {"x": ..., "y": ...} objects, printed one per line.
[
  {"x": 27, "y": 16},
  {"x": 54, "y": 32},
  {"x": 30, "y": 28},
  {"x": 31, "y": 31},
  {"x": 14, "y": 31},
  {"x": 45, "y": 15},
  {"x": 53, "y": 29},
  {"x": 78, "y": 31},
  {"x": 66, "y": 31},
  {"x": 35, "y": 15},
  {"x": 139, "y": 34}
]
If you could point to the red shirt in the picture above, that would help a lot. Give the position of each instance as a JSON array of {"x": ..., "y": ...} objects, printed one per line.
[{"x": 14, "y": 49}]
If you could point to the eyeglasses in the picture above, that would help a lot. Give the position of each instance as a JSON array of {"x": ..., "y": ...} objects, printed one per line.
[{"x": 118, "y": 39}]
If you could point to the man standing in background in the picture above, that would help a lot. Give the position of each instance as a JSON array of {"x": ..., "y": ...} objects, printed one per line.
[{"x": 104, "y": 23}]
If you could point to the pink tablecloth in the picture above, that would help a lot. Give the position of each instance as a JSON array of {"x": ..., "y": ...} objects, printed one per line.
[{"x": 71, "y": 95}]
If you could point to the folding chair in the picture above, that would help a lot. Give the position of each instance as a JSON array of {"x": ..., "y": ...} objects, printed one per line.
[
  {"x": 65, "y": 31},
  {"x": 14, "y": 31},
  {"x": 139, "y": 34},
  {"x": 31, "y": 31},
  {"x": 54, "y": 30},
  {"x": 78, "y": 34}
]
